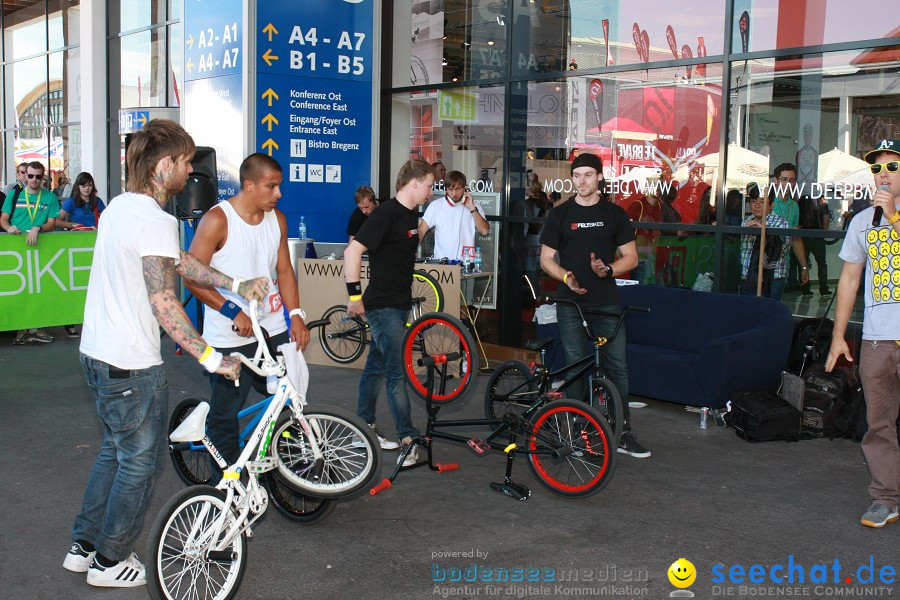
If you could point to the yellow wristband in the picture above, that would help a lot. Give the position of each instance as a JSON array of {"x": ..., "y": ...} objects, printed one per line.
[
  {"x": 206, "y": 353},
  {"x": 566, "y": 277},
  {"x": 355, "y": 298},
  {"x": 894, "y": 217}
]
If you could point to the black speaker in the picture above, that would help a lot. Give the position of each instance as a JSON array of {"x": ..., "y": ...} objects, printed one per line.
[{"x": 201, "y": 191}]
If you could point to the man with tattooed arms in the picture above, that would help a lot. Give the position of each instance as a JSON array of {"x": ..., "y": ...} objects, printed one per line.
[{"x": 131, "y": 293}]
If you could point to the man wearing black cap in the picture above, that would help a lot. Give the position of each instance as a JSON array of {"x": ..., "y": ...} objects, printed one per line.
[
  {"x": 871, "y": 255},
  {"x": 587, "y": 232}
]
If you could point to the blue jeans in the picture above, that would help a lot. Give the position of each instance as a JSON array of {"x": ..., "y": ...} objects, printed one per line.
[
  {"x": 573, "y": 339},
  {"x": 133, "y": 406},
  {"x": 775, "y": 288},
  {"x": 385, "y": 362},
  {"x": 226, "y": 401}
]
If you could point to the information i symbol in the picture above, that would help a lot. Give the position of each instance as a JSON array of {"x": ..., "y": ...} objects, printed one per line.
[{"x": 298, "y": 172}]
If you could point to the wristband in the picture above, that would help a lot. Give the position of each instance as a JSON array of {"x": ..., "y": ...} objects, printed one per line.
[
  {"x": 609, "y": 271},
  {"x": 804, "y": 268},
  {"x": 211, "y": 359},
  {"x": 356, "y": 297},
  {"x": 354, "y": 289},
  {"x": 474, "y": 210},
  {"x": 894, "y": 217},
  {"x": 230, "y": 310},
  {"x": 566, "y": 278},
  {"x": 299, "y": 312},
  {"x": 235, "y": 284}
]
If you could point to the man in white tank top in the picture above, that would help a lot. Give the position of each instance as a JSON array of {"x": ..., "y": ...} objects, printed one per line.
[{"x": 247, "y": 236}]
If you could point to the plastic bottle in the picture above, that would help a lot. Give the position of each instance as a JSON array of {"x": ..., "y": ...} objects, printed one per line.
[
  {"x": 478, "y": 259},
  {"x": 301, "y": 231},
  {"x": 466, "y": 263}
]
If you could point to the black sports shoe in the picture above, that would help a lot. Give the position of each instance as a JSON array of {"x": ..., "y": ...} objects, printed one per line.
[
  {"x": 71, "y": 331},
  {"x": 629, "y": 445}
]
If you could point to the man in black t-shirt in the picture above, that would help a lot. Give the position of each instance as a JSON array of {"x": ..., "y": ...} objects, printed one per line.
[
  {"x": 365, "y": 204},
  {"x": 587, "y": 231},
  {"x": 390, "y": 236}
]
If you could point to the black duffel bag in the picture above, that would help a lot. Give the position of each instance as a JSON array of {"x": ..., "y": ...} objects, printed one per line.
[{"x": 760, "y": 415}]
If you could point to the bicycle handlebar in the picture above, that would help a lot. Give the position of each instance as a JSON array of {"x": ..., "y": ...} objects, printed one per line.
[
  {"x": 262, "y": 363},
  {"x": 581, "y": 312}
]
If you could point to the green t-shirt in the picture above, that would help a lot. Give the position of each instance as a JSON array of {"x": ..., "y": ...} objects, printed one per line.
[{"x": 32, "y": 210}]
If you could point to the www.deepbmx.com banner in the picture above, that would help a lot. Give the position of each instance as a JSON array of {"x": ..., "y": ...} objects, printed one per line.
[{"x": 45, "y": 284}]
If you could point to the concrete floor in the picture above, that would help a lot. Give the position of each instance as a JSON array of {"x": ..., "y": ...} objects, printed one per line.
[{"x": 705, "y": 495}]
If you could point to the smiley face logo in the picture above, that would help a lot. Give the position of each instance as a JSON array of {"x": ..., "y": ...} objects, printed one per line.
[
  {"x": 876, "y": 279},
  {"x": 894, "y": 235},
  {"x": 883, "y": 234},
  {"x": 872, "y": 236},
  {"x": 883, "y": 263},
  {"x": 682, "y": 573},
  {"x": 873, "y": 251}
]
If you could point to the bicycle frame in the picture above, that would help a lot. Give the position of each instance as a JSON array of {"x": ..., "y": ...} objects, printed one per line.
[{"x": 253, "y": 497}]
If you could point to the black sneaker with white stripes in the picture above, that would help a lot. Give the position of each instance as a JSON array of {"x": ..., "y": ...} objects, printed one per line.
[{"x": 125, "y": 573}]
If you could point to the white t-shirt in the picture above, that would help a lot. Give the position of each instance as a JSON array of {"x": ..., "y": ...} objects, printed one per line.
[
  {"x": 119, "y": 326},
  {"x": 879, "y": 248},
  {"x": 454, "y": 227}
]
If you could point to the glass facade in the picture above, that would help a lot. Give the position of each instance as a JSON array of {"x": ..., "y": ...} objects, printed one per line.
[
  {"x": 145, "y": 70},
  {"x": 686, "y": 114},
  {"x": 41, "y": 106}
]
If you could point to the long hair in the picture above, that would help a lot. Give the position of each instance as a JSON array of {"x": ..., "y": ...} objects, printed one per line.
[
  {"x": 159, "y": 138},
  {"x": 83, "y": 178}
]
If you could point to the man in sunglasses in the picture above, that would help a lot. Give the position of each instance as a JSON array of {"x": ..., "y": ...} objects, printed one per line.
[
  {"x": 30, "y": 211},
  {"x": 871, "y": 255}
]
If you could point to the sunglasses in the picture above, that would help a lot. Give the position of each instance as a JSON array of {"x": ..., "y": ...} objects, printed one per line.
[
  {"x": 892, "y": 167},
  {"x": 35, "y": 176}
]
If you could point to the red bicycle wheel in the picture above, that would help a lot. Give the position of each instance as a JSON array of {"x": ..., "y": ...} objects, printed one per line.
[
  {"x": 437, "y": 334},
  {"x": 573, "y": 451}
]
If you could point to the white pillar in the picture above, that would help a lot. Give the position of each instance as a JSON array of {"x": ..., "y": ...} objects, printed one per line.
[{"x": 94, "y": 139}]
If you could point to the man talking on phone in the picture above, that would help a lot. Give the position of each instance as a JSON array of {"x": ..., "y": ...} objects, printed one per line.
[{"x": 455, "y": 219}]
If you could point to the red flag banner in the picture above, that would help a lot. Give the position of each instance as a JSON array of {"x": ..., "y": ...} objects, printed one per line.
[
  {"x": 645, "y": 45},
  {"x": 686, "y": 52},
  {"x": 673, "y": 45},
  {"x": 744, "y": 26},
  {"x": 609, "y": 60},
  {"x": 595, "y": 92},
  {"x": 636, "y": 36},
  {"x": 701, "y": 52}
]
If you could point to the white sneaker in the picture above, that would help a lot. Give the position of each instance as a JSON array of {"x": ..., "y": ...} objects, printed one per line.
[
  {"x": 386, "y": 444},
  {"x": 125, "y": 573},
  {"x": 411, "y": 458},
  {"x": 78, "y": 560}
]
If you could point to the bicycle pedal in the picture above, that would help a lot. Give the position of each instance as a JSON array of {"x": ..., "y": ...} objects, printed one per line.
[
  {"x": 478, "y": 446},
  {"x": 513, "y": 490},
  {"x": 262, "y": 465}
]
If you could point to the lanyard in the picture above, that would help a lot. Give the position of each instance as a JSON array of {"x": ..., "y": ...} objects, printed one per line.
[{"x": 37, "y": 205}]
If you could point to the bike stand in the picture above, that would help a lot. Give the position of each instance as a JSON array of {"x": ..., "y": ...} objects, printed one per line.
[{"x": 509, "y": 487}]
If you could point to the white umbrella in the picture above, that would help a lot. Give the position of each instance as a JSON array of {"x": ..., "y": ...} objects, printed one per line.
[
  {"x": 744, "y": 166},
  {"x": 859, "y": 178},
  {"x": 837, "y": 163},
  {"x": 640, "y": 175}
]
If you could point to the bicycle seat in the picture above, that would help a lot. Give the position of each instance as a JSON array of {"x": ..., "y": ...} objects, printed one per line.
[
  {"x": 540, "y": 344},
  {"x": 193, "y": 428}
]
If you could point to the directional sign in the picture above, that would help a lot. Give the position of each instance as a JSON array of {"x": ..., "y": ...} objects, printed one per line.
[
  {"x": 458, "y": 106},
  {"x": 213, "y": 33},
  {"x": 132, "y": 120},
  {"x": 314, "y": 105}
]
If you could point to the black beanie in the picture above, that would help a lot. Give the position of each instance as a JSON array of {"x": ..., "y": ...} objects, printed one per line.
[{"x": 586, "y": 159}]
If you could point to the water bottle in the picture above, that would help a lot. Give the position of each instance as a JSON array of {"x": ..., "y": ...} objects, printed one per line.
[
  {"x": 301, "y": 231},
  {"x": 466, "y": 265},
  {"x": 271, "y": 383},
  {"x": 478, "y": 259}
]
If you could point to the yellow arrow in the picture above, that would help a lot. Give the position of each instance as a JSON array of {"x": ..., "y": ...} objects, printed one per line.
[
  {"x": 190, "y": 41},
  {"x": 269, "y": 57},
  {"x": 190, "y": 65},
  {"x": 269, "y": 119},
  {"x": 269, "y": 93},
  {"x": 270, "y": 29},
  {"x": 142, "y": 119},
  {"x": 270, "y": 143}
]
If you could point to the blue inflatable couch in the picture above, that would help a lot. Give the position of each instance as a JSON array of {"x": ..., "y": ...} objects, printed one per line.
[{"x": 698, "y": 348}]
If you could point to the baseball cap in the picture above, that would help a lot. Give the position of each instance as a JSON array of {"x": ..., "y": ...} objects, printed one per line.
[
  {"x": 586, "y": 159},
  {"x": 884, "y": 146}
]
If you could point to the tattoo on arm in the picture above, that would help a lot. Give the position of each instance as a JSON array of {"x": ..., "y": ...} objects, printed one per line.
[
  {"x": 159, "y": 277},
  {"x": 195, "y": 270}
]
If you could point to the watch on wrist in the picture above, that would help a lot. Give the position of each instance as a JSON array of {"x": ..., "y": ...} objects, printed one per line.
[
  {"x": 894, "y": 217},
  {"x": 299, "y": 312},
  {"x": 609, "y": 271}
]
